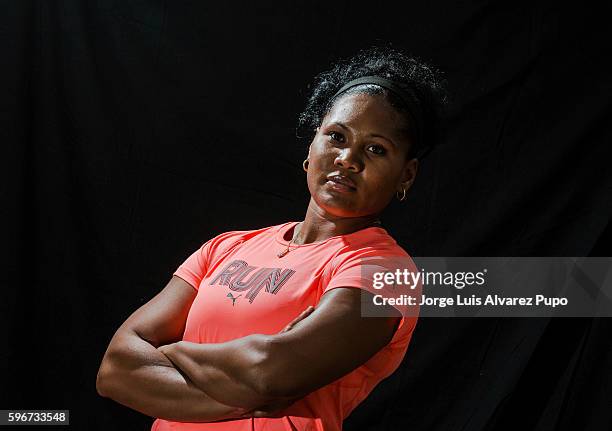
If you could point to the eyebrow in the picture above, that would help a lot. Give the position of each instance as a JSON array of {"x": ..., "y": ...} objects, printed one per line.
[{"x": 373, "y": 135}]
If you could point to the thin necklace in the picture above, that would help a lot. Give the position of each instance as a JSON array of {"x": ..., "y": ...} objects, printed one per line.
[
  {"x": 287, "y": 250},
  {"x": 295, "y": 234}
]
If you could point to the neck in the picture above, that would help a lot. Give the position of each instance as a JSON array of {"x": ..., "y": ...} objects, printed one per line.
[{"x": 319, "y": 225}]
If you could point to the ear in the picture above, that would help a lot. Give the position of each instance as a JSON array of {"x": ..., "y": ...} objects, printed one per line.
[{"x": 408, "y": 174}]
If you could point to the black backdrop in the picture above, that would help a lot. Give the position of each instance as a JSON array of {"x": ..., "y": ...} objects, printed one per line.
[{"x": 134, "y": 130}]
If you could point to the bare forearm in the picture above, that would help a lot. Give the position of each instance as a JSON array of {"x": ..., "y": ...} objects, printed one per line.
[
  {"x": 237, "y": 371},
  {"x": 230, "y": 372},
  {"x": 281, "y": 366},
  {"x": 142, "y": 378}
]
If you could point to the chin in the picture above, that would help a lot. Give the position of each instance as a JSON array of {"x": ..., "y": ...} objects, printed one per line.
[{"x": 341, "y": 207}]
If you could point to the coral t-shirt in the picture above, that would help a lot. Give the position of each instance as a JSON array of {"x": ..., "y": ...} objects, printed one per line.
[{"x": 245, "y": 288}]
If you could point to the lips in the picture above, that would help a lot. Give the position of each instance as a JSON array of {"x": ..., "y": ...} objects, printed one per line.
[{"x": 342, "y": 181}]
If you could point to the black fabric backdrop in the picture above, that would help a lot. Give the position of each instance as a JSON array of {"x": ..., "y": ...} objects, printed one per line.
[{"x": 136, "y": 130}]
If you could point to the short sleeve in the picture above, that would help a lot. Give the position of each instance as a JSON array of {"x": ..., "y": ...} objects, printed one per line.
[
  {"x": 194, "y": 269},
  {"x": 383, "y": 273}
]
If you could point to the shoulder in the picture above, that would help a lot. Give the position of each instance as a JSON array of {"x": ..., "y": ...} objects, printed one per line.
[
  {"x": 368, "y": 246},
  {"x": 362, "y": 260}
]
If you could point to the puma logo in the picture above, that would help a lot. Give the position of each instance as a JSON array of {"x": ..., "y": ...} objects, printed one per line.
[{"x": 229, "y": 295}]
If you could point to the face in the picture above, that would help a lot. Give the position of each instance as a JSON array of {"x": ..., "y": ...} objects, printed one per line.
[{"x": 358, "y": 157}]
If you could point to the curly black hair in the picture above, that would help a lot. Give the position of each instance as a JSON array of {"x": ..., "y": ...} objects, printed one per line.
[{"x": 425, "y": 81}]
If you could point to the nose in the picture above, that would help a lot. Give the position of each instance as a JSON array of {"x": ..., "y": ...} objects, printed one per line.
[{"x": 348, "y": 160}]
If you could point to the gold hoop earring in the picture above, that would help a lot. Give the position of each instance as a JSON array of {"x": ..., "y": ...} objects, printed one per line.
[
  {"x": 305, "y": 164},
  {"x": 401, "y": 198}
]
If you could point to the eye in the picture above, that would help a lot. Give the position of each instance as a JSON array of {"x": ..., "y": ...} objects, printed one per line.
[
  {"x": 376, "y": 149},
  {"x": 335, "y": 136}
]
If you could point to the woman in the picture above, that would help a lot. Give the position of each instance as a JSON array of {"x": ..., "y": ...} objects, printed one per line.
[{"x": 262, "y": 329}]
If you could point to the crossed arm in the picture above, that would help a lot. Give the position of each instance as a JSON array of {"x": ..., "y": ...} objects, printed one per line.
[{"x": 147, "y": 368}]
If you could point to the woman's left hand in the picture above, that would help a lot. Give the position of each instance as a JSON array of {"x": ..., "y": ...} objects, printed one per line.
[
  {"x": 169, "y": 349},
  {"x": 304, "y": 314}
]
